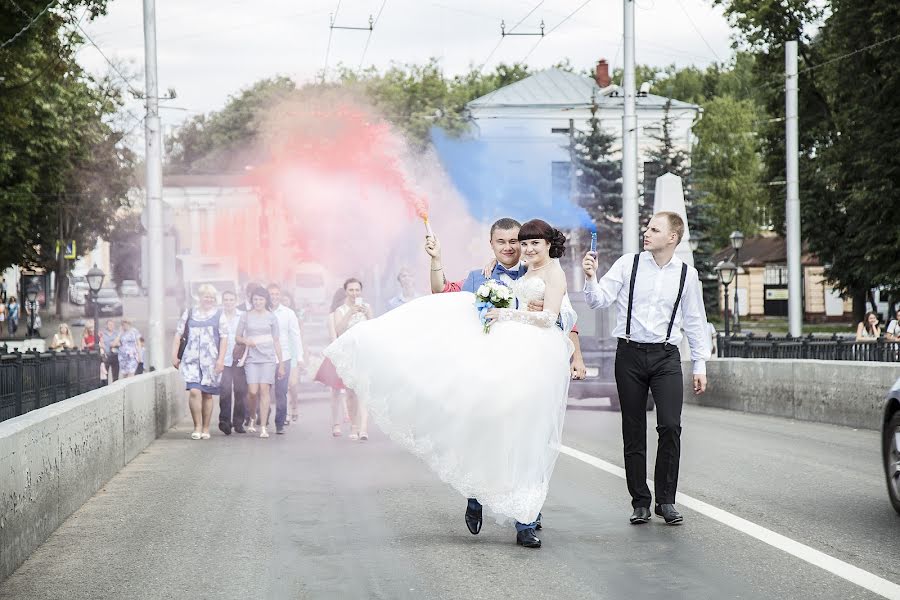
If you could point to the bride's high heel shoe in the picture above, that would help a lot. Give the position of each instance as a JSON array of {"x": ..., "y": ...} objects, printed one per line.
[{"x": 250, "y": 427}]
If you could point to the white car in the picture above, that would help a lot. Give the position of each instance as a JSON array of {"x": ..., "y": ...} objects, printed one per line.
[{"x": 130, "y": 287}]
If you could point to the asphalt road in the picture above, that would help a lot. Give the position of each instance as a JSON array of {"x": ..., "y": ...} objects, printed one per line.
[{"x": 306, "y": 515}]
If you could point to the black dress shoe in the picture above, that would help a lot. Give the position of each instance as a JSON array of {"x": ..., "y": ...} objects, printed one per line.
[
  {"x": 473, "y": 520},
  {"x": 527, "y": 538},
  {"x": 640, "y": 516},
  {"x": 225, "y": 427},
  {"x": 238, "y": 428},
  {"x": 668, "y": 512},
  {"x": 537, "y": 524}
]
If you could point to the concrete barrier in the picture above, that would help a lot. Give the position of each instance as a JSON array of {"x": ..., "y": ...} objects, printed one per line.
[
  {"x": 846, "y": 393},
  {"x": 52, "y": 460}
]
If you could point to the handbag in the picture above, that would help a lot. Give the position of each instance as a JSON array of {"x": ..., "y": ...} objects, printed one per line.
[
  {"x": 237, "y": 355},
  {"x": 182, "y": 343}
]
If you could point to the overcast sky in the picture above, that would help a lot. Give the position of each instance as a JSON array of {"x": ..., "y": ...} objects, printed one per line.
[{"x": 210, "y": 49}]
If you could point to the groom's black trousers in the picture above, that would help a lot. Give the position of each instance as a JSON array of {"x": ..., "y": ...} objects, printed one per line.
[{"x": 654, "y": 367}]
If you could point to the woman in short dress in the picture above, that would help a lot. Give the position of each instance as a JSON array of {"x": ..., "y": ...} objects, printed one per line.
[
  {"x": 352, "y": 311},
  {"x": 128, "y": 342},
  {"x": 203, "y": 359},
  {"x": 258, "y": 330}
]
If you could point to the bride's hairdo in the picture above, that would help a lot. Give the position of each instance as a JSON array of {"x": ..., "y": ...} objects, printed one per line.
[{"x": 541, "y": 230}]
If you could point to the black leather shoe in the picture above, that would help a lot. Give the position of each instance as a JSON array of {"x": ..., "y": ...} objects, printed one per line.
[
  {"x": 225, "y": 427},
  {"x": 537, "y": 524},
  {"x": 238, "y": 428},
  {"x": 668, "y": 512},
  {"x": 473, "y": 520},
  {"x": 527, "y": 538},
  {"x": 640, "y": 516}
]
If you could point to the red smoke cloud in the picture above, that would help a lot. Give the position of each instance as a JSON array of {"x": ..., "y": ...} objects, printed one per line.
[{"x": 336, "y": 187}]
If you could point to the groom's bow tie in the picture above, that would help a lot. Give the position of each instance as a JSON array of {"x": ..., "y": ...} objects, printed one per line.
[{"x": 501, "y": 270}]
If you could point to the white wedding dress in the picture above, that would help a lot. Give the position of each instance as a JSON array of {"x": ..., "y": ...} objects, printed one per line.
[{"x": 484, "y": 411}]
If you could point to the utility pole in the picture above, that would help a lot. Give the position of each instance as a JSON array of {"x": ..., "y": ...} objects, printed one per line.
[
  {"x": 156, "y": 334},
  {"x": 630, "y": 225},
  {"x": 792, "y": 204}
]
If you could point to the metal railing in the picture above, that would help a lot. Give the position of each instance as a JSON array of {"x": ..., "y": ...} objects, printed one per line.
[
  {"x": 834, "y": 347},
  {"x": 31, "y": 380}
]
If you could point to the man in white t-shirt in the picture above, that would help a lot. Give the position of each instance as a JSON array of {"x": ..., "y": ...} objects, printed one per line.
[
  {"x": 291, "y": 352},
  {"x": 892, "y": 333}
]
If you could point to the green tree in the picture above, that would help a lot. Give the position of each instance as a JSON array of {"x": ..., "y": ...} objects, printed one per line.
[
  {"x": 848, "y": 122},
  {"x": 728, "y": 169},
  {"x": 598, "y": 185},
  {"x": 64, "y": 166}
]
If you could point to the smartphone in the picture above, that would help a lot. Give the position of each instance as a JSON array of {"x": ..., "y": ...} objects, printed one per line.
[
  {"x": 593, "y": 250},
  {"x": 358, "y": 301}
]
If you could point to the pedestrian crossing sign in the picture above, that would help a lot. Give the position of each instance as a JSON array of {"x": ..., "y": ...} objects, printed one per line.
[{"x": 69, "y": 251}]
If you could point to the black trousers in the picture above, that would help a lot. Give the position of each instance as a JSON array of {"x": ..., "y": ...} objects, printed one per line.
[
  {"x": 658, "y": 369},
  {"x": 232, "y": 385}
]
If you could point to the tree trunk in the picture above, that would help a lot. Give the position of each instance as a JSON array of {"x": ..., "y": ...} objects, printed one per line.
[{"x": 859, "y": 305}]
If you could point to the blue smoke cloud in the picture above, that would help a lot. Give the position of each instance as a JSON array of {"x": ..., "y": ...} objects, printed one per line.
[{"x": 494, "y": 186}]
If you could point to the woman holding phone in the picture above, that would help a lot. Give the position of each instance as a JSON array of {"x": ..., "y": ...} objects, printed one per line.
[{"x": 353, "y": 311}]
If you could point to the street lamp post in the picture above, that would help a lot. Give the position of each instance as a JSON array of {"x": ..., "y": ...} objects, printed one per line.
[
  {"x": 95, "y": 278},
  {"x": 737, "y": 242},
  {"x": 726, "y": 270},
  {"x": 31, "y": 295}
]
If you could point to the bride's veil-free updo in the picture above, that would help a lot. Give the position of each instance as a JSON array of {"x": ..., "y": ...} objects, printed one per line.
[{"x": 537, "y": 229}]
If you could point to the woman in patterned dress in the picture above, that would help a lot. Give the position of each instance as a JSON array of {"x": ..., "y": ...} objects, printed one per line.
[
  {"x": 203, "y": 359},
  {"x": 128, "y": 343}
]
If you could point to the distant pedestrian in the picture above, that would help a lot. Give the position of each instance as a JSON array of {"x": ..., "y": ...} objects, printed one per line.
[
  {"x": 233, "y": 384},
  {"x": 33, "y": 316},
  {"x": 88, "y": 339},
  {"x": 205, "y": 331},
  {"x": 3, "y": 314},
  {"x": 892, "y": 334},
  {"x": 12, "y": 316},
  {"x": 291, "y": 353},
  {"x": 128, "y": 342},
  {"x": 407, "y": 291},
  {"x": 142, "y": 352},
  {"x": 2, "y": 291},
  {"x": 62, "y": 339},
  {"x": 353, "y": 311},
  {"x": 868, "y": 329},
  {"x": 109, "y": 354},
  {"x": 258, "y": 329}
]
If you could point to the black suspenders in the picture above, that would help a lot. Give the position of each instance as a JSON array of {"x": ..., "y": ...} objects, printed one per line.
[
  {"x": 637, "y": 258},
  {"x": 634, "y": 269}
]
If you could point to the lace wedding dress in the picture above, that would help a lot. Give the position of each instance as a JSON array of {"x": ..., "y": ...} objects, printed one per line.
[{"x": 484, "y": 411}]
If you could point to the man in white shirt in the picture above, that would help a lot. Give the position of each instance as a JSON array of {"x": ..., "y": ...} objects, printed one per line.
[
  {"x": 291, "y": 352},
  {"x": 656, "y": 295}
]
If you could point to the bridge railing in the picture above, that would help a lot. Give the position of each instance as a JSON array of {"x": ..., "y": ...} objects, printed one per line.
[
  {"x": 32, "y": 380},
  {"x": 834, "y": 347}
]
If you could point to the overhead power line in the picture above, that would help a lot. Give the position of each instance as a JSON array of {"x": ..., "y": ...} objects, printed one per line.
[
  {"x": 28, "y": 26},
  {"x": 362, "y": 59}
]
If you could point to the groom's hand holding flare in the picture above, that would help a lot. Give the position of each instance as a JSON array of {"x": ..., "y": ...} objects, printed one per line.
[{"x": 589, "y": 265}]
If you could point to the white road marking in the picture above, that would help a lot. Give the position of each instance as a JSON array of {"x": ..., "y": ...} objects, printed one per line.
[{"x": 855, "y": 575}]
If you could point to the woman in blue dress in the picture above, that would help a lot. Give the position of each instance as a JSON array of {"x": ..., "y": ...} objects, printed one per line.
[
  {"x": 203, "y": 359},
  {"x": 128, "y": 342}
]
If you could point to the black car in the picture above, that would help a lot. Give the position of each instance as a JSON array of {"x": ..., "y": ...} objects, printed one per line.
[
  {"x": 108, "y": 301},
  {"x": 890, "y": 444}
]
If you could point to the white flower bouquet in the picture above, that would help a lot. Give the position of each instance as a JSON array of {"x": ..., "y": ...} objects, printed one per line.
[{"x": 491, "y": 294}]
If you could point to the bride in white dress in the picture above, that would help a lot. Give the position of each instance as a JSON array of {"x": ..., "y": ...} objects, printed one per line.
[{"x": 484, "y": 411}]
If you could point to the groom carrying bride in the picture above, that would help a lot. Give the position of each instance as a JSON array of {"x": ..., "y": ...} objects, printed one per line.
[{"x": 504, "y": 240}]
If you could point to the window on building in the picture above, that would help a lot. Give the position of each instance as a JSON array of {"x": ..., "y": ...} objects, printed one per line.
[
  {"x": 561, "y": 177},
  {"x": 775, "y": 275}
]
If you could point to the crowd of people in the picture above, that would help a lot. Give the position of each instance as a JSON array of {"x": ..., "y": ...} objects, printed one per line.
[{"x": 250, "y": 356}]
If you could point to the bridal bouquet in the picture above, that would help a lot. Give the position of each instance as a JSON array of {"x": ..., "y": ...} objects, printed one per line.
[{"x": 491, "y": 294}]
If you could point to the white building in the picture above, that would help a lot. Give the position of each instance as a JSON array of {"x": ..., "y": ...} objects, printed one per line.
[{"x": 524, "y": 128}]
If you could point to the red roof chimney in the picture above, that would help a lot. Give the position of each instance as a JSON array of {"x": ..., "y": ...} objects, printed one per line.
[{"x": 601, "y": 74}]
